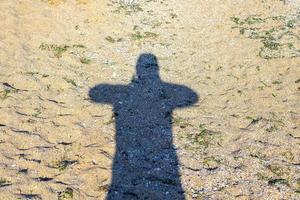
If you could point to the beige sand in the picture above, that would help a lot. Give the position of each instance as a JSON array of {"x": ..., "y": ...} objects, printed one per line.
[{"x": 241, "y": 140}]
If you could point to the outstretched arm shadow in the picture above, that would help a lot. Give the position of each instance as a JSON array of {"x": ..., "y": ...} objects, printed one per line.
[
  {"x": 180, "y": 96},
  {"x": 106, "y": 93}
]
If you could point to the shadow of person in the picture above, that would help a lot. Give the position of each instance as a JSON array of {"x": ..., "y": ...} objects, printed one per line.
[{"x": 145, "y": 164}]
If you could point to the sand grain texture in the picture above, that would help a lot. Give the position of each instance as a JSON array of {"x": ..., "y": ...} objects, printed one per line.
[{"x": 240, "y": 141}]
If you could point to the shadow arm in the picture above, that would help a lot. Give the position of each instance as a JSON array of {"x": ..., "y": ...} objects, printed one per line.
[
  {"x": 103, "y": 93},
  {"x": 183, "y": 96}
]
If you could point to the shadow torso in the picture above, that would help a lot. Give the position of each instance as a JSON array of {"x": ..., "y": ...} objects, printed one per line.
[{"x": 145, "y": 164}]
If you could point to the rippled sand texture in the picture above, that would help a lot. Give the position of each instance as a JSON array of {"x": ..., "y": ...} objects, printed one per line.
[{"x": 241, "y": 140}]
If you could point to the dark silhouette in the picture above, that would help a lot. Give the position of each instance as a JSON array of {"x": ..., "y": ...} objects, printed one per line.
[{"x": 145, "y": 164}]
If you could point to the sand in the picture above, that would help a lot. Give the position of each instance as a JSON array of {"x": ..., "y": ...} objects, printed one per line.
[{"x": 241, "y": 140}]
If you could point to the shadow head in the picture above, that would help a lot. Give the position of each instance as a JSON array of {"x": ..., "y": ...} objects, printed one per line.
[{"x": 147, "y": 67}]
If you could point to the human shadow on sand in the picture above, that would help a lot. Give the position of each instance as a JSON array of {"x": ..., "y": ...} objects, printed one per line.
[{"x": 145, "y": 164}]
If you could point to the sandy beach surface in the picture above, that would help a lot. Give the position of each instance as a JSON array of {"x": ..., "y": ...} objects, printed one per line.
[{"x": 240, "y": 140}]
